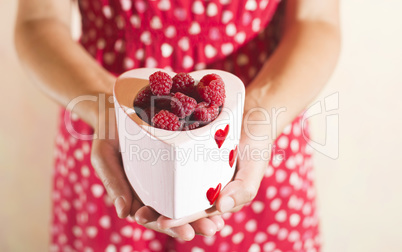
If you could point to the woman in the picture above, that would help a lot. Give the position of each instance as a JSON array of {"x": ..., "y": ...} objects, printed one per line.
[{"x": 272, "y": 199}]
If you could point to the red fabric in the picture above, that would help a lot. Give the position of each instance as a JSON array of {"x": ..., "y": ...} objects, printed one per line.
[{"x": 183, "y": 36}]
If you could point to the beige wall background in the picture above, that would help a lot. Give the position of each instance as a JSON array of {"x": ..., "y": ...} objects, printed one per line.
[{"x": 359, "y": 192}]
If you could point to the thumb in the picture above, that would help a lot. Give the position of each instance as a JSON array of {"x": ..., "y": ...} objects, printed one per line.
[
  {"x": 243, "y": 188},
  {"x": 106, "y": 160}
]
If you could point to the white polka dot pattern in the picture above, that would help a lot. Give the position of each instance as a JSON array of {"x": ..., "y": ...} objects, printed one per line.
[{"x": 219, "y": 34}]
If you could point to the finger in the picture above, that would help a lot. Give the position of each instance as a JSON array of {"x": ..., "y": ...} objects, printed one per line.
[
  {"x": 204, "y": 226},
  {"x": 184, "y": 232},
  {"x": 135, "y": 206},
  {"x": 236, "y": 209},
  {"x": 107, "y": 164},
  {"x": 244, "y": 187},
  {"x": 218, "y": 221},
  {"x": 147, "y": 217},
  {"x": 165, "y": 222}
]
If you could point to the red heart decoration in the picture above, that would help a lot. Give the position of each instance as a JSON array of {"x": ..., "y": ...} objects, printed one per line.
[
  {"x": 220, "y": 135},
  {"x": 212, "y": 194},
  {"x": 232, "y": 156}
]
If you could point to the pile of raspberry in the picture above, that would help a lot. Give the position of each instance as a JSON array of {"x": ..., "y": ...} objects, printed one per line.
[{"x": 179, "y": 103}]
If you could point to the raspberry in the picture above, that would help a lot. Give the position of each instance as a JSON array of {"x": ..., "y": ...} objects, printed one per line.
[
  {"x": 205, "y": 112},
  {"x": 166, "y": 120},
  {"x": 191, "y": 126},
  {"x": 184, "y": 83},
  {"x": 212, "y": 89},
  {"x": 143, "y": 99},
  {"x": 175, "y": 101},
  {"x": 182, "y": 105},
  {"x": 160, "y": 83}
]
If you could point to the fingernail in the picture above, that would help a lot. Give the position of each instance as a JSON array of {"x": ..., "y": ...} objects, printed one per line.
[
  {"x": 162, "y": 227},
  {"x": 220, "y": 225},
  {"x": 171, "y": 233},
  {"x": 139, "y": 220},
  {"x": 226, "y": 204},
  {"x": 119, "y": 203}
]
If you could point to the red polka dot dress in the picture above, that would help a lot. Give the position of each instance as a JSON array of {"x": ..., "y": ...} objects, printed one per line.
[{"x": 182, "y": 36}]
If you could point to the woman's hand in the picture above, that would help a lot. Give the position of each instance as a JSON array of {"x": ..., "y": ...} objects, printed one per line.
[
  {"x": 186, "y": 228},
  {"x": 106, "y": 159},
  {"x": 253, "y": 156}
]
